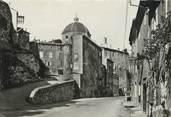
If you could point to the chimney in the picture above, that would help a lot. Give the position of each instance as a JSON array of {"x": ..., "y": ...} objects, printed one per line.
[{"x": 105, "y": 40}]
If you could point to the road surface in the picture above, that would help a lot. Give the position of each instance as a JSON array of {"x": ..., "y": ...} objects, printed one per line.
[{"x": 89, "y": 107}]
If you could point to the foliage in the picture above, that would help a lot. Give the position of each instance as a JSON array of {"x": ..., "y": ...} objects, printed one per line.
[{"x": 159, "y": 38}]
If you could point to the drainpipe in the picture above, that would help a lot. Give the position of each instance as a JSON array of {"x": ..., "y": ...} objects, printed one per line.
[{"x": 168, "y": 100}]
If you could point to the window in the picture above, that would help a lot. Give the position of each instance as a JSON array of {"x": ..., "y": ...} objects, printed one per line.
[
  {"x": 114, "y": 66},
  {"x": 49, "y": 64},
  {"x": 60, "y": 56},
  {"x": 41, "y": 54},
  {"x": 145, "y": 19},
  {"x": 100, "y": 54},
  {"x": 60, "y": 71},
  {"x": 61, "y": 63},
  {"x": 61, "y": 48},
  {"x": 50, "y": 55},
  {"x": 111, "y": 54},
  {"x": 105, "y": 53},
  {"x": 45, "y": 62}
]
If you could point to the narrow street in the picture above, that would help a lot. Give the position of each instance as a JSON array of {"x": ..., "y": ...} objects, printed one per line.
[{"x": 89, "y": 107}]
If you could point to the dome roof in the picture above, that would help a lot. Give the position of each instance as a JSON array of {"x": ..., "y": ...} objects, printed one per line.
[{"x": 76, "y": 26}]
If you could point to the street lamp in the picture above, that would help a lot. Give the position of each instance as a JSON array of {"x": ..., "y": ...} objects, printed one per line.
[{"x": 125, "y": 24}]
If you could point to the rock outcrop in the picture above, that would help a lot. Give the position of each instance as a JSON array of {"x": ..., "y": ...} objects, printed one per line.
[{"x": 17, "y": 66}]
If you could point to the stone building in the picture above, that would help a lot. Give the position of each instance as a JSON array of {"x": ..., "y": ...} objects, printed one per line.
[
  {"x": 115, "y": 85},
  {"x": 151, "y": 84},
  {"x": 141, "y": 29},
  {"x": 120, "y": 66},
  {"x": 110, "y": 78},
  {"x": 75, "y": 57},
  {"x": 19, "y": 65},
  {"x": 51, "y": 53},
  {"x": 133, "y": 71},
  {"x": 140, "y": 25},
  {"x": 102, "y": 82},
  {"x": 85, "y": 60}
]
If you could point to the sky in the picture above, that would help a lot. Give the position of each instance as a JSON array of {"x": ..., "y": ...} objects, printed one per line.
[{"x": 46, "y": 19}]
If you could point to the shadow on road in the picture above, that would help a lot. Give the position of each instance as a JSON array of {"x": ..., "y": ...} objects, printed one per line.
[
  {"x": 13, "y": 103},
  {"x": 34, "y": 109}
]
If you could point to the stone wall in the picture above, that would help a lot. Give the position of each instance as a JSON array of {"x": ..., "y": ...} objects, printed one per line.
[
  {"x": 110, "y": 78},
  {"x": 5, "y": 25},
  {"x": 120, "y": 63},
  {"x": 51, "y": 55},
  {"x": 54, "y": 93},
  {"x": 14, "y": 73},
  {"x": 91, "y": 68},
  {"x": 23, "y": 39},
  {"x": 102, "y": 81},
  {"x": 34, "y": 48},
  {"x": 29, "y": 60},
  {"x": 116, "y": 85},
  {"x": 18, "y": 68}
]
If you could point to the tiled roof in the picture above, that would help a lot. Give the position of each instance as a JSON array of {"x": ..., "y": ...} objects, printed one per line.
[{"x": 76, "y": 27}]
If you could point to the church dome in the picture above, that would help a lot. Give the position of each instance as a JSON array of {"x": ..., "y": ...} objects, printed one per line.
[{"x": 77, "y": 27}]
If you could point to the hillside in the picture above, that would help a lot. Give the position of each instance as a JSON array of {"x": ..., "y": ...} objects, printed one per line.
[{"x": 17, "y": 65}]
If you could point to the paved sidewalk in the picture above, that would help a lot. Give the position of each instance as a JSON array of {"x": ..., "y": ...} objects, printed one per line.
[{"x": 135, "y": 110}]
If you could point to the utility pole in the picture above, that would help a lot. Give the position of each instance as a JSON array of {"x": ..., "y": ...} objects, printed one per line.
[
  {"x": 126, "y": 17},
  {"x": 168, "y": 100}
]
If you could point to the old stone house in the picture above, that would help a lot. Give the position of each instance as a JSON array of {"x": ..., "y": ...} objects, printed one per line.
[
  {"x": 85, "y": 60},
  {"x": 75, "y": 57},
  {"x": 151, "y": 84},
  {"x": 51, "y": 54},
  {"x": 120, "y": 67}
]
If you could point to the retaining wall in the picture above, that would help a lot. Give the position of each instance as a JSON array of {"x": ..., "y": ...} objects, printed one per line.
[{"x": 54, "y": 93}]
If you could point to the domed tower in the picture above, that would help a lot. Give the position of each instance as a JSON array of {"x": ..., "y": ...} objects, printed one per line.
[
  {"x": 75, "y": 28},
  {"x": 72, "y": 37}
]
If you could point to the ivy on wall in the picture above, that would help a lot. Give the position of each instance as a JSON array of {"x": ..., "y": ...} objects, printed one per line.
[{"x": 159, "y": 38}]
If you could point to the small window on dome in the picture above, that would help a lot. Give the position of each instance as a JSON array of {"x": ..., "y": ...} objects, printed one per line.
[{"x": 66, "y": 36}]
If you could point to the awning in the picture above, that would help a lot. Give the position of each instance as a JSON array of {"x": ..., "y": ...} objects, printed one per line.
[
  {"x": 139, "y": 18},
  {"x": 151, "y": 5},
  {"x": 132, "y": 35},
  {"x": 136, "y": 25}
]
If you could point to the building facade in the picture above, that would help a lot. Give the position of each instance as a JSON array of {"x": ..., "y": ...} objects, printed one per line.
[
  {"x": 120, "y": 66},
  {"x": 77, "y": 57},
  {"x": 85, "y": 58},
  {"x": 109, "y": 78},
  {"x": 51, "y": 54},
  {"x": 151, "y": 83}
]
